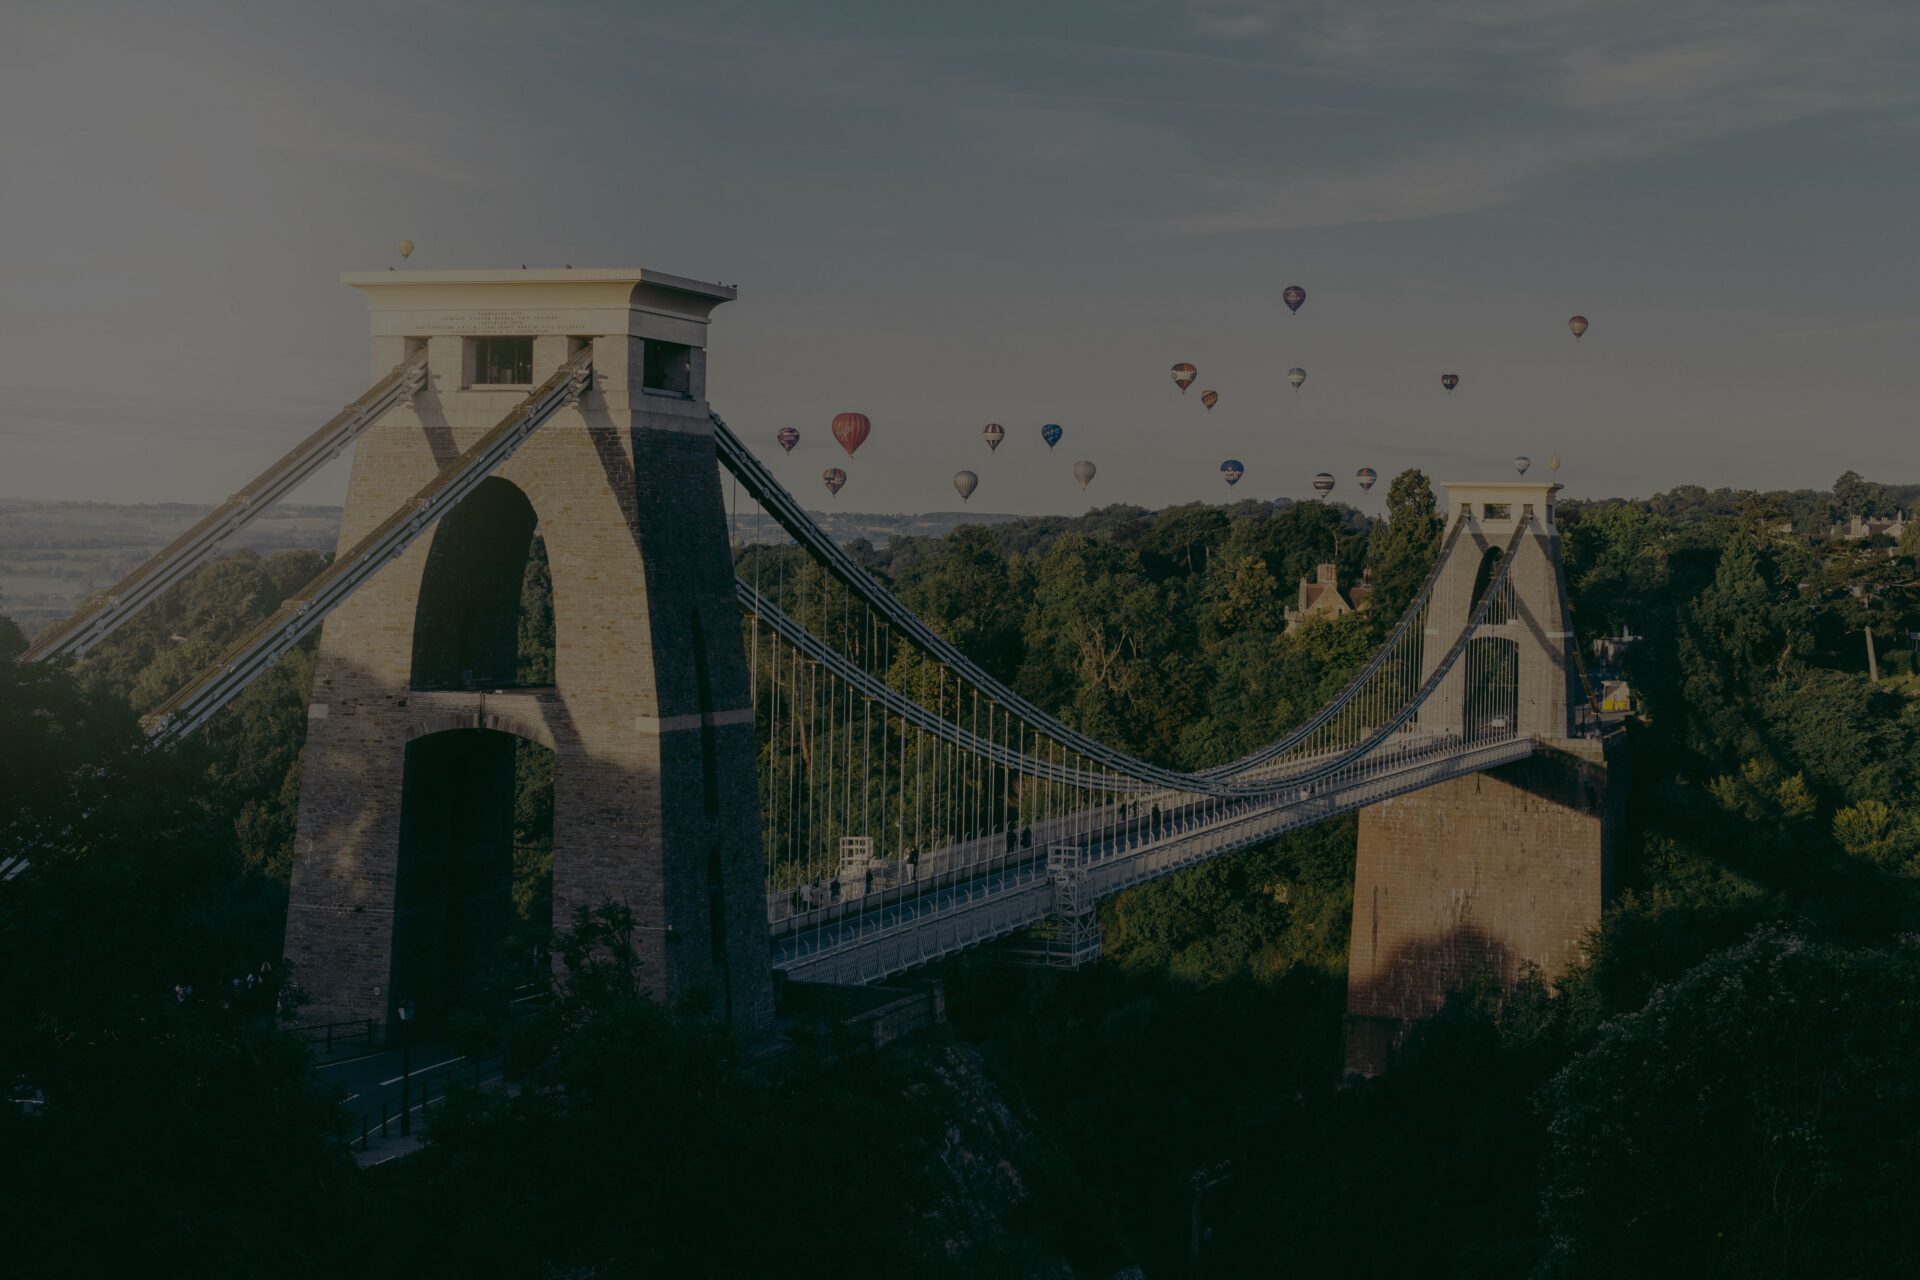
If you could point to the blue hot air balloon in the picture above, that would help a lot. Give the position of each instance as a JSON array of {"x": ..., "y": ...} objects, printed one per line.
[
  {"x": 1231, "y": 471},
  {"x": 1051, "y": 433}
]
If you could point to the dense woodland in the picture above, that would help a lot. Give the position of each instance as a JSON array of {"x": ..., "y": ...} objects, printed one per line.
[{"x": 1725, "y": 1087}]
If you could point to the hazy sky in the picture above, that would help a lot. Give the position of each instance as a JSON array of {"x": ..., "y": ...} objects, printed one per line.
[{"x": 944, "y": 215}]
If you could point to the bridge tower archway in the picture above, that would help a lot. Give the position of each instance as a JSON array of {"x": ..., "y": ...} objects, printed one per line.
[
  {"x": 624, "y": 490},
  {"x": 468, "y": 624},
  {"x": 472, "y": 873}
]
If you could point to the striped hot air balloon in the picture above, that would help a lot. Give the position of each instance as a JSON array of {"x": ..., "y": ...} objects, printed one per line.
[
  {"x": 851, "y": 430},
  {"x": 834, "y": 478},
  {"x": 1323, "y": 483},
  {"x": 1209, "y": 399},
  {"x": 788, "y": 438},
  {"x": 993, "y": 433},
  {"x": 1366, "y": 476},
  {"x": 1579, "y": 326},
  {"x": 1231, "y": 471},
  {"x": 1183, "y": 375}
]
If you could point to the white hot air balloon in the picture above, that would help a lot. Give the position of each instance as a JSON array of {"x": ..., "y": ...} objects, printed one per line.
[
  {"x": 965, "y": 482},
  {"x": 1521, "y": 463},
  {"x": 1296, "y": 376},
  {"x": 1083, "y": 472}
]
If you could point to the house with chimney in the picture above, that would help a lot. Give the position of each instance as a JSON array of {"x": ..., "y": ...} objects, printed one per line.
[{"x": 1320, "y": 596}]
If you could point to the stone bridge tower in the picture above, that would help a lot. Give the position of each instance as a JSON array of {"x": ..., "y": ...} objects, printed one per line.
[
  {"x": 1536, "y": 633},
  {"x": 424, "y": 707},
  {"x": 1493, "y": 874}
]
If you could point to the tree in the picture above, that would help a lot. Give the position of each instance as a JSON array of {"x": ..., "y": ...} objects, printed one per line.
[
  {"x": 177, "y": 1131},
  {"x": 1616, "y": 565},
  {"x": 1401, "y": 551},
  {"x": 1853, "y": 496},
  {"x": 1756, "y": 1118},
  {"x": 13, "y": 641}
]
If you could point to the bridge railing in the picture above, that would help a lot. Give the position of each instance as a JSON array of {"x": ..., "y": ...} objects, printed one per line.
[
  {"x": 328, "y": 1034},
  {"x": 1383, "y": 746}
]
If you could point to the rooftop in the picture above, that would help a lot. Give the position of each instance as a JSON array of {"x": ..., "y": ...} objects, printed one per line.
[{"x": 545, "y": 275}]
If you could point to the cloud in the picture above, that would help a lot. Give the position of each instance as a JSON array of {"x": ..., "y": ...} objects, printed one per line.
[{"x": 1537, "y": 88}]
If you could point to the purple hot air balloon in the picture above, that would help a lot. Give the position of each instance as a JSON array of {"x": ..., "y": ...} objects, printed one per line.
[
  {"x": 1293, "y": 297},
  {"x": 993, "y": 433},
  {"x": 788, "y": 438},
  {"x": 1366, "y": 476},
  {"x": 833, "y": 478}
]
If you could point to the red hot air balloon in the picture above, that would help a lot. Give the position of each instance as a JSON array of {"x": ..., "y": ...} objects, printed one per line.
[
  {"x": 1184, "y": 374},
  {"x": 788, "y": 438},
  {"x": 833, "y": 478},
  {"x": 1209, "y": 399},
  {"x": 1293, "y": 297},
  {"x": 1449, "y": 381},
  {"x": 851, "y": 430},
  {"x": 1579, "y": 326}
]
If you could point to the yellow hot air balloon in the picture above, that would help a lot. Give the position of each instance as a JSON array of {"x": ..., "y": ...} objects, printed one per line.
[{"x": 406, "y": 248}]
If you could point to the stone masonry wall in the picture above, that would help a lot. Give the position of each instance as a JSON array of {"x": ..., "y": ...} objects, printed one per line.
[{"x": 1482, "y": 875}]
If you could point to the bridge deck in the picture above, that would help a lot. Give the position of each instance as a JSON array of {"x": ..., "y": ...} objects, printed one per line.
[{"x": 865, "y": 940}]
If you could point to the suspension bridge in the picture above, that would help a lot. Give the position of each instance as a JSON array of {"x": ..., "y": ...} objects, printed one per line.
[{"x": 790, "y": 772}]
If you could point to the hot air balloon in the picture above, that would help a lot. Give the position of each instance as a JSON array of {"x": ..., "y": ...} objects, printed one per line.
[
  {"x": 1366, "y": 476},
  {"x": 1579, "y": 326},
  {"x": 1553, "y": 462},
  {"x": 1294, "y": 295},
  {"x": 994, "y": 434},
  {"x": 1209, "y": 399},
  {"x": 1183, "y": 375},
  {"x": 1231, "y": 471},
  {"x": 406, "y": 249},
  {"x": 1521, "y": 463},
  {"x": 1323, "y": 484},
  {"x": 1083, "y": 472},
  {"x": 787, "y": 437},
  {"x": 966, "y": 482},
  {"x": 1449, "y": 381},
  {"x": 833, "y": 477},
  {"x": 1296, "y": 376},
  {"x": 851, "y": 430},
  {"x": 1051, "y": 433}
]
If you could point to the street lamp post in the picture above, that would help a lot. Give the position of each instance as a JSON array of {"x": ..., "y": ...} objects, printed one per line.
[{"x": 406, "y": 1068}]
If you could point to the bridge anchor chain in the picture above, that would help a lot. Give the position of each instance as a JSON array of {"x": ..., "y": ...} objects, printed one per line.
[{"x": 1074, "y": 931}]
